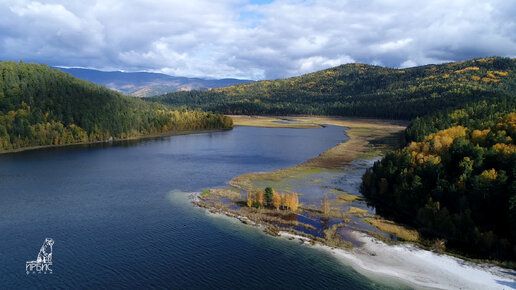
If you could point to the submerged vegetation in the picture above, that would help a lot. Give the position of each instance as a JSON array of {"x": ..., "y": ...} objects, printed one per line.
[{"x": 41, "y": 106}]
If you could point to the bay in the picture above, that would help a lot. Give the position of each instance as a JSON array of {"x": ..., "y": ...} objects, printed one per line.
[{"x": 120, "y": 216}]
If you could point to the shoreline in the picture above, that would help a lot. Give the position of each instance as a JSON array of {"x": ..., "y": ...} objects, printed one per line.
[
  {"x": 419, "y": 268},
  {"x": 403, "y": 262},
  {"x": 135, "y": 138}
]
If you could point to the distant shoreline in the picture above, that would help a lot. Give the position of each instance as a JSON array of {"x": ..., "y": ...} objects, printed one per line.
[{"x": 167, "y": 134}]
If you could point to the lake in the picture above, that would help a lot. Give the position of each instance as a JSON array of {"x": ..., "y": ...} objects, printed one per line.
[{"x": 120, "y": 216}]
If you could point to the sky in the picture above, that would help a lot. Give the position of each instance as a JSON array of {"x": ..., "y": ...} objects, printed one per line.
[{"x": 253, "y": 39}]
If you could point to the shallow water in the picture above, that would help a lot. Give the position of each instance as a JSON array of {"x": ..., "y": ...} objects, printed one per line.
[{"x": 120, "y": 216}]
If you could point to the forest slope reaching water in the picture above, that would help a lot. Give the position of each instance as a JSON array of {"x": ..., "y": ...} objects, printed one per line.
[{"x": 41, "y": 106}]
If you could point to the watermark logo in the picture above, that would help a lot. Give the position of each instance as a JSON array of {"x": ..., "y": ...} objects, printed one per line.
[{"x": 43, "y": 261}]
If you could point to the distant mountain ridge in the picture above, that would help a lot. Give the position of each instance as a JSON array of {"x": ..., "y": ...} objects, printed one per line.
[{"x": 145, "y": 84}]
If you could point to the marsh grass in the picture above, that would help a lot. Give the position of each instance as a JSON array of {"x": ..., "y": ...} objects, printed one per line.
[
  {"x": 224, "y": 192},
  {"x": 346, "y": 197},
  {"x": 356, "y": 211},
  {"x": 365, "y": 139},
  {"x": 270, "y": 122},
  {"x": 276, "y": 179},
  {"x": 402, "y": 232},
  {"x": 337, "y": 191},
  {"x": 333, "y": 239}
]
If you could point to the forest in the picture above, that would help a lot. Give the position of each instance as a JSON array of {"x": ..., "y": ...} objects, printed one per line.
[
  {"x": 457, "y": 184},
  {"x": 362, "y": 91},
  {"x": 42, "y": 106}
]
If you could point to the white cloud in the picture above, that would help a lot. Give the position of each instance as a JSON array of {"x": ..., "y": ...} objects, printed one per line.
[
  {"x": 394, "y": 45},
  {"x": 408, "y": 63},
  {"x": 232, "y": 38}
]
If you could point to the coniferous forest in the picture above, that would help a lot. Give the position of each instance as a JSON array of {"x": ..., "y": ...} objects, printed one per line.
[
  {"x": 42, "y": 106},
  {"x": 458, "y": 184}
]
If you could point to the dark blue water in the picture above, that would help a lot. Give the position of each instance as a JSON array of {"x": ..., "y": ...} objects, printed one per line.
[{"x": 120, "y": 217}]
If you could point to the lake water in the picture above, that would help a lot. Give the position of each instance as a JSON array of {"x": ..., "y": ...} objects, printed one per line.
[{"x": 120, "y": 216}]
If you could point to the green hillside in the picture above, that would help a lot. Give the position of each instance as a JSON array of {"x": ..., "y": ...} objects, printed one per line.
[
  {"x": 43, "y": 106},
  {"x": 362, "y": 90}
]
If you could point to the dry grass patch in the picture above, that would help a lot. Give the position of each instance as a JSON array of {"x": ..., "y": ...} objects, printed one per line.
[
  {"x": 269, "y": 122},
  {"x": 333, "y": 239},
  {"x": 402, "y": 232},
  {"x": 246, "y": 181},
  {"x": 346, "y": 197},
  {"x": 357, "y": 211},
  {"x": 225, "y": 193},
  {"x": 367, "y": 138}
]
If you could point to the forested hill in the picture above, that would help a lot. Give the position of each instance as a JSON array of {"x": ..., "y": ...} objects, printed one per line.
[
  {"x": 362, "y": 90},
  {"x": 43, "y": 106}
]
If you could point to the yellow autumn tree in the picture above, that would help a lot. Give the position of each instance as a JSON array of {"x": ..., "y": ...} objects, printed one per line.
[
  {"x": 489, "y": 175},
  {"x": 294, "y": 201},
  {"x": 250, "y": 200},
  {"x": 285, "y": 200},
  {"x": 479, "y": 137},
  {"x": 260, "y": 198},
  {"x": 505, "y": 149},
  {"x": 276, "y": 200},
  {"x": 444, "y": 138}
]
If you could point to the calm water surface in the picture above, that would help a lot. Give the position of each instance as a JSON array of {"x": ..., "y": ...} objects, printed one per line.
[{"x": 120, "y": 216}]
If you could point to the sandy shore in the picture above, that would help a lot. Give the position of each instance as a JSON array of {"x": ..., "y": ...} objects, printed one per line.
[
  {"x": 419, "y": 268},
  {"x": 404, "y": 263}
]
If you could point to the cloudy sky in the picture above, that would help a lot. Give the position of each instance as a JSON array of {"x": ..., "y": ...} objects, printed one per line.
[{"x": 254, "y": 39}]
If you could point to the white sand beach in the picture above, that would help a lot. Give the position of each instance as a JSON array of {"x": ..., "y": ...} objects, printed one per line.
[{"x": 419, "y": 268}]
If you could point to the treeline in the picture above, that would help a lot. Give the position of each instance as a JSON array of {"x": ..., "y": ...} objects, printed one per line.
[
  {"x": 44, "y": 106},
  {"x": 458, "y": 184},
  {"x": 362, "y": 90},
  {"x": 482, "y": 114}
]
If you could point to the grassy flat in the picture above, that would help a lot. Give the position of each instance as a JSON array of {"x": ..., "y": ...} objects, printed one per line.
[
  {"x": 390, "y": 227},
  {"x": 364, "y": 135},
  {"x": 270, "y": 122},
  {"x": 346, "y": 197}
]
